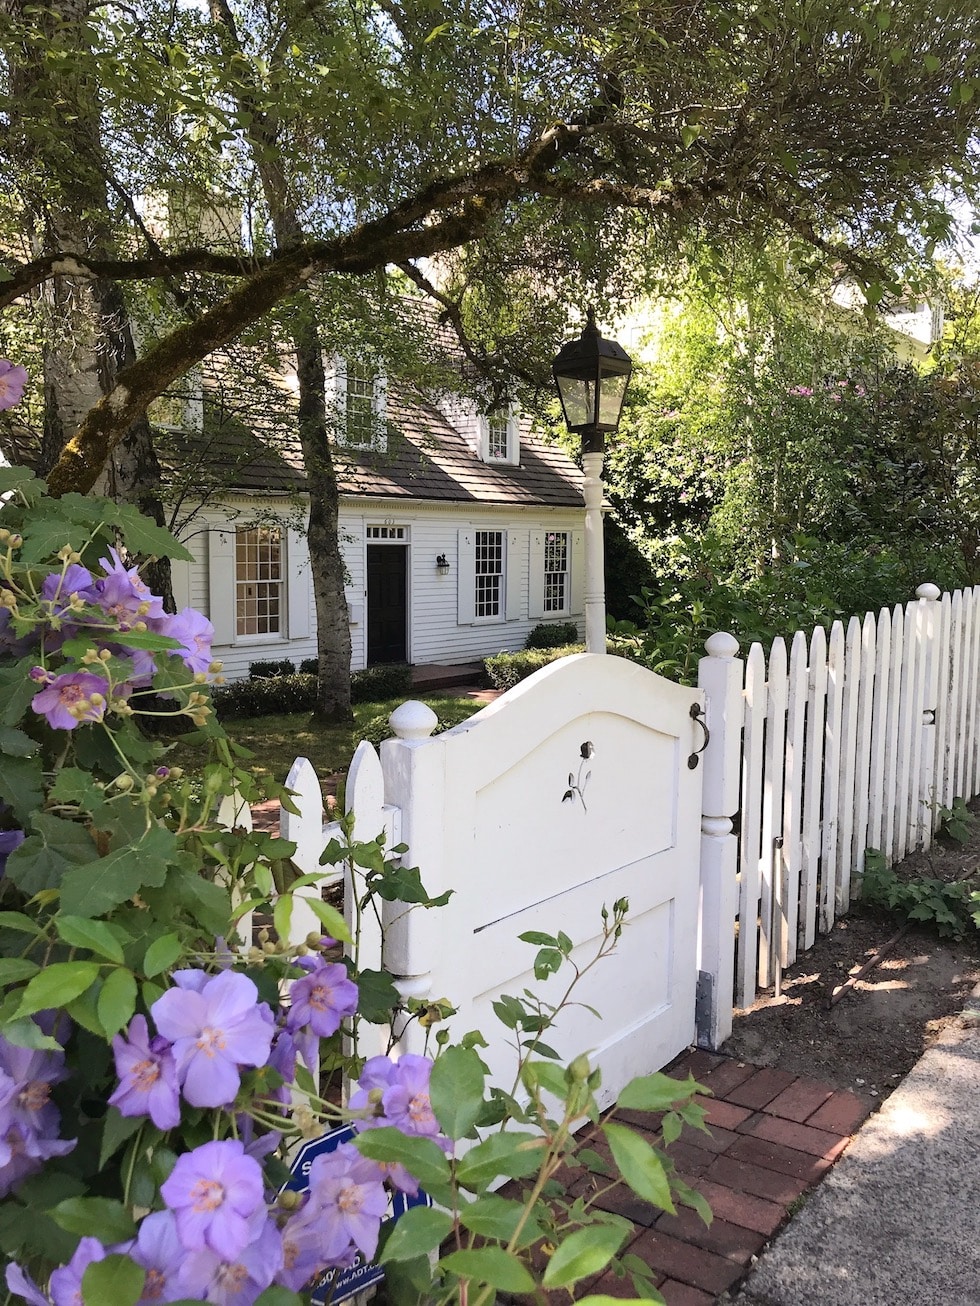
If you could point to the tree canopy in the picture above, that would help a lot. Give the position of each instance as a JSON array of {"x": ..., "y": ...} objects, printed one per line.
[{"x": 553, "y": 148}]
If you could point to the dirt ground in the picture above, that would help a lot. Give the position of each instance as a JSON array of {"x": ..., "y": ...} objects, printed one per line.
[{"x": 873, "y": 1036}]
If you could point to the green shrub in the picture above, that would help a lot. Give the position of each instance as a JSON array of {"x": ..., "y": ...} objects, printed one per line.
[
  {"x": 556, "y": 635},
  {"x": 309, "y": 667},
  {"x": 260, "y": 697},
  {"x": 377, "y": 684},
  {"x": 264, "y": 670},
  {"x": 505, "y": 670}
]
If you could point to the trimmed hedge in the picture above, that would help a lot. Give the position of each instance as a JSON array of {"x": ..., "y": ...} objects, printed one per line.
[
  {"x": 263, "y": 670},
  {"x": 557, "y": 635},
  {"x": 267, "y": 693},
  {"x": 505, "y": 670}
]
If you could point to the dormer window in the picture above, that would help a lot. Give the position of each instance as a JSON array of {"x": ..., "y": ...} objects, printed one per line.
[
  {"x": 500, "y": 440},
  {"x": 361, "y": 404}
]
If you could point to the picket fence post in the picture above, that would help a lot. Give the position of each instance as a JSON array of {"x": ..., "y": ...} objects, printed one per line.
[
  {"x": 720, "y": 675},
  {"x": 414, "y": 782},
  {"x": 930, "y": 630}
]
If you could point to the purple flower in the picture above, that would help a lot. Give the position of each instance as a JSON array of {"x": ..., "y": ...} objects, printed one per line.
[
  {"x": 406, "y": 1102},
  {"x": 322, "y": 999},
  {"x": 71, "y": 699},
  {"x": 215, "y": 1030},
  {"x": 29, "y": 1121},
  {"x": 147, "y": 1076},
  {"x": 306, "y": 1250},
  {"x": 350, "y": 1198},
  {"x": 22, "y": 1285},
  {"x": 9, "y": 840},
  {"x": 58, "y": 588},
  {"x": 214, "y": 1192},
  {"x": 123, "y": 594},
  {"x": 66, "y": 1283},
  {"x": 13, "y": 379},
  {"x": 239, "y": 1279},
  {"x": 159, "y": 1251},
  {"x": 195, "y": 633}
]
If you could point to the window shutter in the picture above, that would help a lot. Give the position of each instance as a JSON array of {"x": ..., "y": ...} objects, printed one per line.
[
  {"x": 221, "y": 584},
  {"x": 466, "y": 578},
  {"x": 297, "y": 584},
  {"x": 578, "y": 573},
  {"x": 535, "y": 580},
  {"x": 514, "y": 577}
]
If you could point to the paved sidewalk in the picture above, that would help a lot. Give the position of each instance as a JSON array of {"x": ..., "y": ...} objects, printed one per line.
[
  {"x": 772, "y": 1137},
  {"x": 899, "y": 1219}
]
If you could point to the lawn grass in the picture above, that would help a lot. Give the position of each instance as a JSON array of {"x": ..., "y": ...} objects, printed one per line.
[{"x": 277, "y": 740}]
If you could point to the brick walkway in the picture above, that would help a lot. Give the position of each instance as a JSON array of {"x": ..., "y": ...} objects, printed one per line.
[{"x": 772, "y": 1137}]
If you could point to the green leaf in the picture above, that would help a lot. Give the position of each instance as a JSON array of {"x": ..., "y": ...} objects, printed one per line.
[
  {"x": 116, "y": 1129},
  {"x": 96, "y": 936},
  {"x": 26, "y": 1034},
  {"x": 657, "y": 1092},
  {"x": 492, "y": 1265},
  {"x": 161, "y": 954},
  {"x": 57, "y": 985},
  {"x": 492, "y": 1216},
  {"x": 96, "y": 1217},
  {"x": 536, "y": 937},
  {"x": 330, "y": 918},
  {"x": 117, "y": 1001},
  {"x": 282, "y": 915},
  {"x": 144, "y": 536},
  {"x": 115, "y": 1279},
  {"x": 421, "y": 1157},
  {"x": 96, "y": 889},
  {"x": 639, "y": 1165},
  {"x": 377, "y": 996},
  {"x": 456, "y": 1090},
  {"x": 507, "y": 1155},
  {"x": 55, "y": 847},
  {"x": 547, "y": 962},
  {"x": 418, "y": 1232},
  {"x": 13, "y": 969},
  {"x": 583, "y": 1253},
  {"x": 275, "y": 1296},
  {"x": 16, "y": 920},
  {"x": 21, "y": 785},
  {"x": 15, "y": 743}
]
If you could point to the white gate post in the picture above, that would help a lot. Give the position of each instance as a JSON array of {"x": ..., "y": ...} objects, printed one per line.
[
  {"x": 720, "y": 676},
  {"x": 414, "y": 782}
]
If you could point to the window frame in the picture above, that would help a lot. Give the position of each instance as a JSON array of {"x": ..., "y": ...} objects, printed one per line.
[
  {"x": 500, "y": 612},
  {"x": 281, "y": 630},
  {"x": 565, "y": 573}
]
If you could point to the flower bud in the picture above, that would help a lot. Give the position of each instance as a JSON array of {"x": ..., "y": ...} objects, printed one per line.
[
  {"x": 16, "y": 541},
  {"x": 124, "y": 782}
]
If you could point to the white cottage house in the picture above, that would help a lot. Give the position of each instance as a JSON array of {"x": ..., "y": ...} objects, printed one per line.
[{"x": 461, "y": 531}]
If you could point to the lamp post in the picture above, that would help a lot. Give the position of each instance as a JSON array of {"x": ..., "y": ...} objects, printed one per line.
[{"x": 591, "y": 375}]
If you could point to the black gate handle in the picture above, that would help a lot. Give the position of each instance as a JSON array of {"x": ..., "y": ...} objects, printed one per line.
[{"x": 697, "y": 716}]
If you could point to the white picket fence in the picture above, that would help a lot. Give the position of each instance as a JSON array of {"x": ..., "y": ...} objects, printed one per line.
[
  {"x": 850, "y": 743},
  {"x": 841, "y": 744}
]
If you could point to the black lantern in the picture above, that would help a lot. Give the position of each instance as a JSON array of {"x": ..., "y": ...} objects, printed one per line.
[
  {"x": 442, "y": 565},
  {"x": 591, "y": 375}
]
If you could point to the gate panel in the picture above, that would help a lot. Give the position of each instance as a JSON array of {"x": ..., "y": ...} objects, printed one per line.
[{"x": 567, "y": 793}]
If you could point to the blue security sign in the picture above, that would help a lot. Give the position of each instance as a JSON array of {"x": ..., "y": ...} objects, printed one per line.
[{"x": 334, "y": 1286}]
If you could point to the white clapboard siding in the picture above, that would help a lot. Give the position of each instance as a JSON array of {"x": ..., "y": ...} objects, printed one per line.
[
  {"x": 816, "y": 707},
  {"x": 751, "y": 832},
  {"x": 831, "y": 777},
  {"x": 770, "y": 861},
  {"x": 792, "y": 850}
]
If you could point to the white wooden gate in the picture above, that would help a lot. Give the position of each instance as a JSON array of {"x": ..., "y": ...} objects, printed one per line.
[{"x": 571, "y": 791}]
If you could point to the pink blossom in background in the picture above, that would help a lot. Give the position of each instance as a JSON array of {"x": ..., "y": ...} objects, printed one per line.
[
  {"x": 801, "y": 391},
  {"x": 13, "y": 379}
]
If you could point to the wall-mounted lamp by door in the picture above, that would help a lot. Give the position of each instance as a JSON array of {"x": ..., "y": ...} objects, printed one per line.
[{"x": 442, "y": 565}]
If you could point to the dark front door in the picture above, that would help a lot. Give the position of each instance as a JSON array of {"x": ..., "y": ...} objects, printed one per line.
[{"x": 387, "y": 606}]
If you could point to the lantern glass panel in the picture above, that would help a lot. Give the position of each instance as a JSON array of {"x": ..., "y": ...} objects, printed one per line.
[
  {"x": 578, "y": 401},
  {"x": 613, "y": 392}
]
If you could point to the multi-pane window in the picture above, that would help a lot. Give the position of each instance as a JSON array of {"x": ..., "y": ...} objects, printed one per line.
[
  {"x": 489, "y": 554},
  {"x": 361, "y": 419},
  {"x": 556, "y": 571},
  {"x": 258, "y": 581},
  {"x": 497, "y": 426}
]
